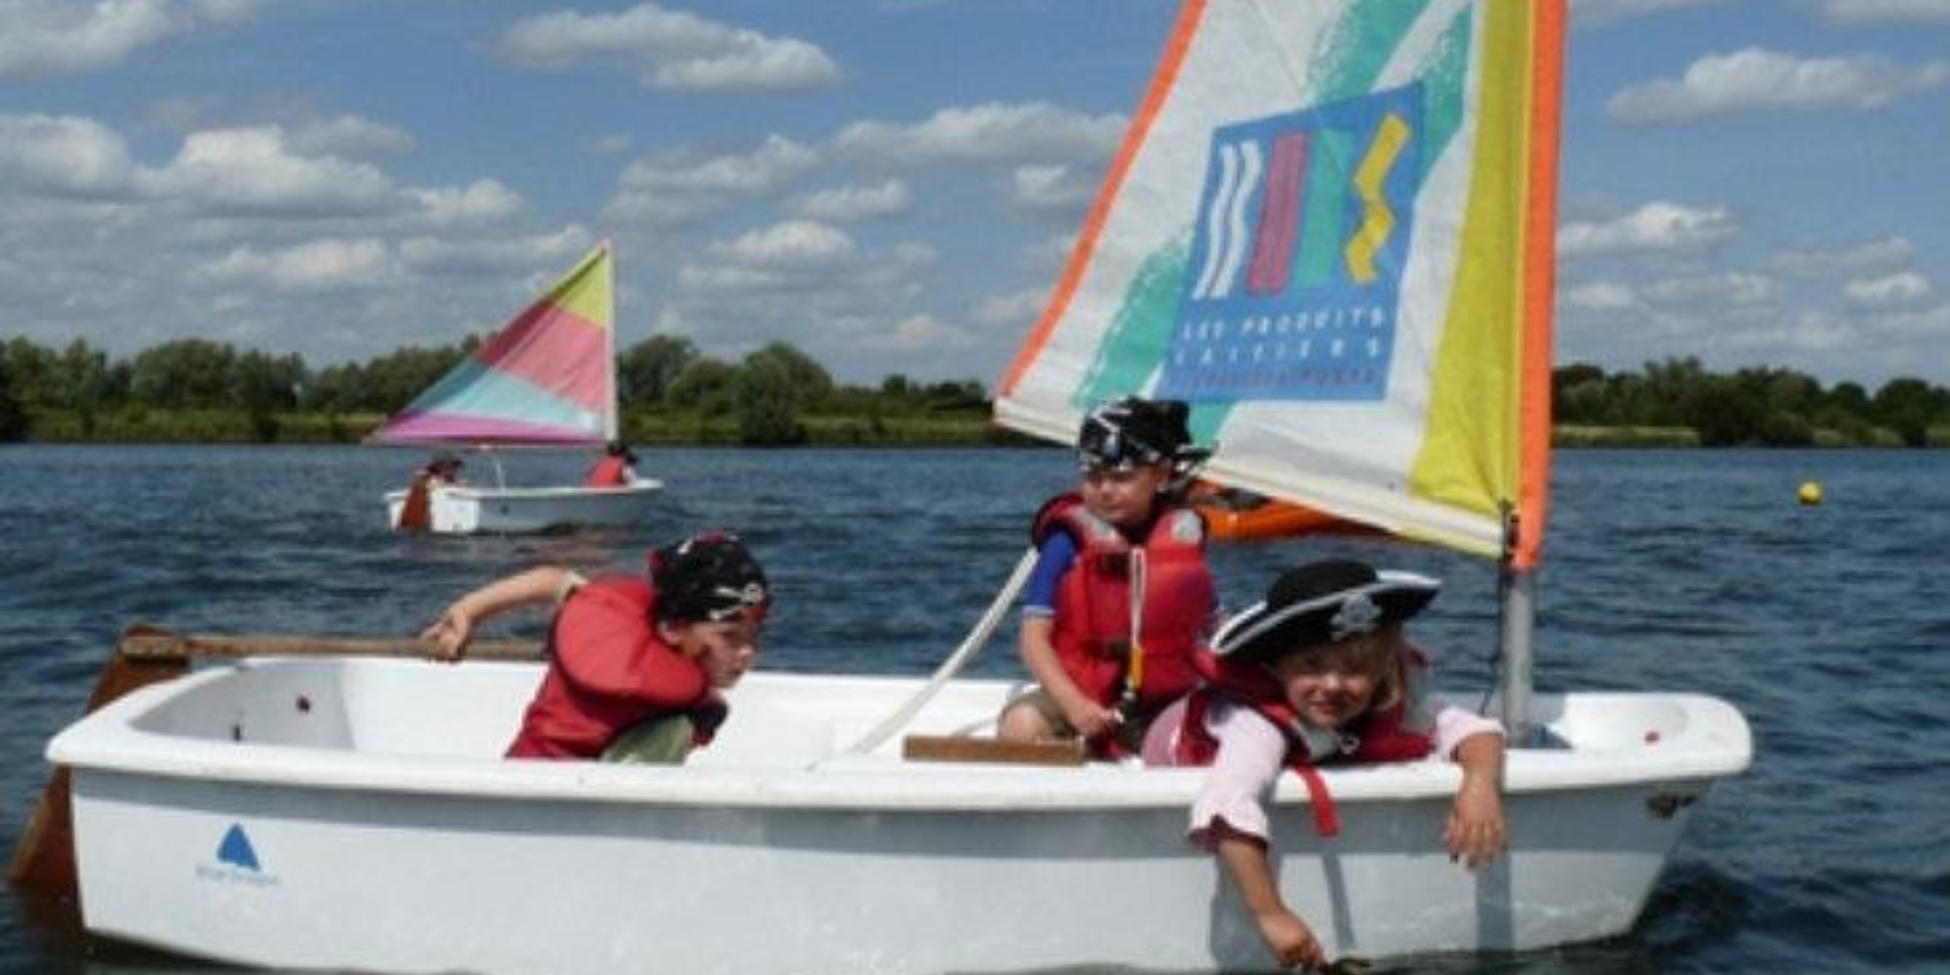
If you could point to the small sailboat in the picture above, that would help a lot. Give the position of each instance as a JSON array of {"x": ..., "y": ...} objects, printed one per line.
[
  {"x": 546, "y": 379},
  {"x": 358, "y": 813}
]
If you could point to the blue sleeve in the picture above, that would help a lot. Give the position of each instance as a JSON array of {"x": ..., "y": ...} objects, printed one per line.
[{"x": 1059, "y": 552}]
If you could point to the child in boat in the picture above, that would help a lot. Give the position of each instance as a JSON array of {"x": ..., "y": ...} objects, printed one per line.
[
  {"x": 635, "y": 665},
  {"x": 416, "y": 513},
  {"x": 616, "y": 468},
  {"x": 1102, "y": 670},
  {"x": 1320, "y": 671}
]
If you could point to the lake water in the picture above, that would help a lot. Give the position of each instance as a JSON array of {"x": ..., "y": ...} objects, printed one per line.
[{"x": 1828, "y": 626}]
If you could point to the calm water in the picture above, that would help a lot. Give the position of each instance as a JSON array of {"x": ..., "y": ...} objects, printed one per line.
[{"x": 1829, "y": 627}]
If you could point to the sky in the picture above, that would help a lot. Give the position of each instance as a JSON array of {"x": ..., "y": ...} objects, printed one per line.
[{"x": 893, "y": 186}]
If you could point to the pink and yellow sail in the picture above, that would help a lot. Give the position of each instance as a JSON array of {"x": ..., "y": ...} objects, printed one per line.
[
  {"x": 548, "y": 377},
  {"x": 1330, "y": 228}
]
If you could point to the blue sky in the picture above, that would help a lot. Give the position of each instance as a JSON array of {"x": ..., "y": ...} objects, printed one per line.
[{"x": 891, "y": 185}]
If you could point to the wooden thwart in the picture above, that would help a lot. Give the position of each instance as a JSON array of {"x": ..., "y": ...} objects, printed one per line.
[
  {"x": 960, "y": 748},
  {"x": 154, "y": 644}
]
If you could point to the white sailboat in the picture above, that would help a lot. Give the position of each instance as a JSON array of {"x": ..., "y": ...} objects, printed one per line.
[
  {"x": 321, "y": 810},
  {"x": 546, "y": 379}
]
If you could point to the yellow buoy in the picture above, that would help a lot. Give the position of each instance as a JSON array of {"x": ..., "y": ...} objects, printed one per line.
[{"x": 1810, "y": 493}]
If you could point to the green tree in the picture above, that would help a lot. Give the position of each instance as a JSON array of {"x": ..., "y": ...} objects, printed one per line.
[
  {"x": 769, "y": 397},
  {"x": 182, "y": 373},
  {"x": 705, "y": 386},
  {"x": 807, "y": 377},
  {"x": 1908, "y": 406},
  {"x": 13, "y": 416},
  {"x": 30, "y": 370},
  {"x": 646, "y": 370}
]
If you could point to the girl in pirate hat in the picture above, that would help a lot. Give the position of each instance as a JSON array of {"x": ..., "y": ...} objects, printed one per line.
[{"x": 1320, "y": 671}]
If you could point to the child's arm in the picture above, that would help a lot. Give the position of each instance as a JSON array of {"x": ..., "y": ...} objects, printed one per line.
[
  {"x": 1475, "y": 831},
  {"x": 455, "y": 627},
  {"x": 1039, "y": 655},
  {"x": 1291, "y": 940}
]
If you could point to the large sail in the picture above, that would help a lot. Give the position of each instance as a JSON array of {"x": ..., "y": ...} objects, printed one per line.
[
  {"x": 547, "y": 377},
  {"x": 1330, "y": 227}
]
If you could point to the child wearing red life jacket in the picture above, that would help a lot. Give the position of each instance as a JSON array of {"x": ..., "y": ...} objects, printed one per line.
[
  {"x": 635, "y": 665},
  {"x": 1320, "y": 671},
  {"x": 1121, "y": 593},
  {"x": 616, "y": 468}
]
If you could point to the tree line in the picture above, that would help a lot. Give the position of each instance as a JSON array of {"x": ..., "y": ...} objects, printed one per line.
[
  {"x": 773, "y": 395},
  {"x": 1766, "y": 407},
  {"x": 778, "y": 394}
]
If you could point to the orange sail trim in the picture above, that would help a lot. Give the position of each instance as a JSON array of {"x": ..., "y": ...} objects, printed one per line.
[
  {"x": 1093, "y": 227},
  {"x": 1540, "y": 266}
]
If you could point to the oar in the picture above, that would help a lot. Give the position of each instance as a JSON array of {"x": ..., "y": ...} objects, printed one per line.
[
  {"x": 154, "y": 644},
  {"x": 976, "y": 639}
]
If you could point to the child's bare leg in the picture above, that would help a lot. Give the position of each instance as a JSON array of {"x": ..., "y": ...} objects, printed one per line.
[{"x": 1023, "y": 721}]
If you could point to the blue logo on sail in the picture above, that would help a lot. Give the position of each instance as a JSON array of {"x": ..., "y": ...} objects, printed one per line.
[
  {"x": 1294, "y": 281},
  {"x": 235, "y": 849}
]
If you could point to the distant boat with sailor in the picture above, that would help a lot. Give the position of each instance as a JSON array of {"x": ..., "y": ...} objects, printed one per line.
[{"x": 547, "y": 379}]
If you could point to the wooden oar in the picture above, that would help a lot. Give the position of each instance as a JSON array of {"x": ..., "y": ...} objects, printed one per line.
[{"x": 154, "y": 644}]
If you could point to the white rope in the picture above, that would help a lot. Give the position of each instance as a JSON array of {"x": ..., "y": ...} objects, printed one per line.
[{"x": 976, "y": 639}]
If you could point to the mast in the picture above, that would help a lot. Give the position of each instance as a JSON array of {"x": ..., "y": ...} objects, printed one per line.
[{"x": 611, "y": 417}]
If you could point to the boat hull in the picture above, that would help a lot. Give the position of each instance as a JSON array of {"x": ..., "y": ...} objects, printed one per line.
[
  {"x": 466, "y": 509},
  {"x": 280, "y": 816}
]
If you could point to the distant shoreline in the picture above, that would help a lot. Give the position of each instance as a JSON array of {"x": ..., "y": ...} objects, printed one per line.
[{"x": 958, "y": 428}]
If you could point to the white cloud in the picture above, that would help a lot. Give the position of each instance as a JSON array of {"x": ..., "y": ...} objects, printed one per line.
[
  {"x": 1599, "y": 296},
  {"x": 255, "y": 170},
  {"x": 1903, "y": 288},
  {"x": 988, "y": 132},
  {"x": 791, "y": 244},
  {"x": 64, "y": 155},
  {"x": 1880, "y": 255},
  {"x": 319, "y": 265},
  {"x": 348, "y": 134},
  {"x": 497, "y": 255},
  {"x": 1755, "y": 78},
  {"x": 482, "y": 201},
  {"x": 922, "y": 332},
  {"x": 1656, "y": 227},
  {"x": 849, "y": 203},
  {"x": 1719, "y": 288},
  {"x": 1052, "y": 189},
  {"x": 1015, "y": 312},
  {"x": 675, "y": 188},
  {"x": 1593, "y": 13},
  {"x": 670, "y": 49},
  {"x": 1885, "y": 11},
  {"x": 50, "y": 37}
]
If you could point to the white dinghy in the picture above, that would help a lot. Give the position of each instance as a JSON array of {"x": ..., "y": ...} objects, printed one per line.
[
  {"x": 356, "y": 814},
  {"x": 546, "y": 379}
]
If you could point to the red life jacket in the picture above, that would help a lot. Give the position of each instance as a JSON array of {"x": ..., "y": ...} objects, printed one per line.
[
  {"x": 1382, "y": 736},
  {"x": 609, "y": 471},
  {"x": 609, "y": 672},
  {"x": 1092, "y": 628}
]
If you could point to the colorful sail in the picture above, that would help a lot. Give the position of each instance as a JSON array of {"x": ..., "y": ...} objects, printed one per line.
[
  {"x": 1330, "y": 227},
  {"x": 547, "y": 377}
]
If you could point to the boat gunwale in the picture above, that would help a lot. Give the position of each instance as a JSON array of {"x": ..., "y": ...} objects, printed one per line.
[{"x": 1716, "y": 742}]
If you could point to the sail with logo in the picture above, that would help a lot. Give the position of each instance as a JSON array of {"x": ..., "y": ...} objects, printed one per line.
[{"x": 1346, "y": 269}]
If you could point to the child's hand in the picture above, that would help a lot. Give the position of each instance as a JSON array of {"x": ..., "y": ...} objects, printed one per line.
[
  {"x": 1475, "y": 832},
  {"x": 450, "y": 632},
  {"x": 1092, "y": 720},
  {"x": 1292, "y": 941}
]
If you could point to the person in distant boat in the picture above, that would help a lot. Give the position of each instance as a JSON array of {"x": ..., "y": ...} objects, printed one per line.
[
  {"x": 616, "y": 468},
  {"x": 636, "y": 665},
  {"x": 416, "y": 512},
  {"x": 1321, "y": 671},
  {"x": 1101, "y": 669}
]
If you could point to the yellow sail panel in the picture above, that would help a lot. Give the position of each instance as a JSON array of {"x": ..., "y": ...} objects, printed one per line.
[{"x": 1324, "y": 231}]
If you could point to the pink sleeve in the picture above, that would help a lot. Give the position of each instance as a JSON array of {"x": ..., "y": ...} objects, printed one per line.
[
  {"x": 1251, "y": 754},
  {"x": 1453, "y": 724}
]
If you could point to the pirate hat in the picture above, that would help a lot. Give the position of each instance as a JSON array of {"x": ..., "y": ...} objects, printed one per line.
[{"x": 1322, "y": 602}]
